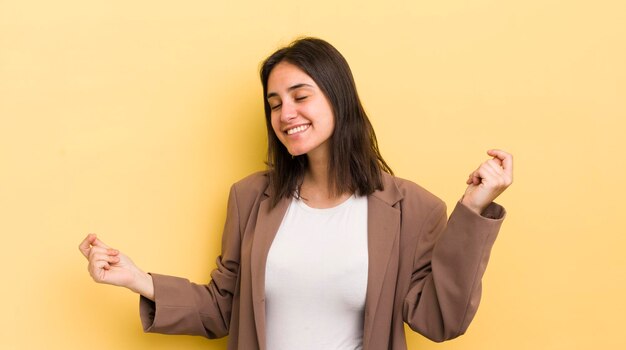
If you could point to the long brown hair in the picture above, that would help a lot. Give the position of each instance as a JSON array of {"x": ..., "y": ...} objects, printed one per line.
[{"x": 355, "y": 162}]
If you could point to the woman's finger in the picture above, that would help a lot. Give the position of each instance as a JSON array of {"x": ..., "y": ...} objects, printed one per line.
[
  {"x": 98, "y": 265},
  {"x": 90, "y": 242},
  {"x": 506, "y": 158},
  {"x": 495, "y": 165},
  {"x": 85, "y": 245},
  {"x": 104, "y": 257},
  {"x": 96, "y": 270},
  {"x": 98, "y": 243},
  {"x": 497, "y": 160},
  {"x": 488, "y": 175},
  {"x": 507, "y": 163},
  {"x": 104, "y": 251},
  {"x": 474, "y": 178}
]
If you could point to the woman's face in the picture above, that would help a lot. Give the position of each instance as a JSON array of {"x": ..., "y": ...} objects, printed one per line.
[{"x": 301, "y": 116}]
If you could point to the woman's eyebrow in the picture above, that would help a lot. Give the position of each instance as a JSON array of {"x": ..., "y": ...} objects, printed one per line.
[{"x": 291, "y": 88}]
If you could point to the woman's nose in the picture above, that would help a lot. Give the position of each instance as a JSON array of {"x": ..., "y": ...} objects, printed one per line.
[{"x": 288, "y": 112}]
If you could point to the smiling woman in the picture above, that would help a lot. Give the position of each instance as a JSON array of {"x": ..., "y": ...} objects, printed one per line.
[
  {"x": 326, "y": 249},
  {"x": 312, "y": 69}
]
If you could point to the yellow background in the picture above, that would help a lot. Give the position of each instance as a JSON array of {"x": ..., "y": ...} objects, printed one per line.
[{"x": 132, "y": 118}]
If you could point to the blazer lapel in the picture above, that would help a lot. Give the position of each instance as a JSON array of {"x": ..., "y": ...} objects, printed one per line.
[
  {"x": 267, "y": 224},
  {"x": 383, "y": 230}
]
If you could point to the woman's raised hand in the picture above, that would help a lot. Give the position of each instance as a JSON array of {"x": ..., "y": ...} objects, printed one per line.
[
  {"x": 488, "y": 181},
  {"x": 107, "y": 265}
]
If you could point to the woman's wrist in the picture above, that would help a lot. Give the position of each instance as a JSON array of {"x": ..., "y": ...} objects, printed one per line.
[
  {"x": 470, "y": 206},
  {"x": 143, "y": 285}
]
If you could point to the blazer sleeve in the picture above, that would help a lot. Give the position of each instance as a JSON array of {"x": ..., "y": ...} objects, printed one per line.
[
  {"x": 183, "y": 307},
  {"x": 449, "y": 262}
]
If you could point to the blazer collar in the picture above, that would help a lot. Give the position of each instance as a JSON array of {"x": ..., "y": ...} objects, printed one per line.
[
  {"x": 383, "y": 231},
  {"x": 390, "y": 193}
]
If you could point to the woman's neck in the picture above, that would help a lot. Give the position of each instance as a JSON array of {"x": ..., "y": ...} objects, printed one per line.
[{"x": 315, "y": 189}]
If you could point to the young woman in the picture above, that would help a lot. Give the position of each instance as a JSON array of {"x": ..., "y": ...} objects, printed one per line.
[{"x": 326, "y": 249}]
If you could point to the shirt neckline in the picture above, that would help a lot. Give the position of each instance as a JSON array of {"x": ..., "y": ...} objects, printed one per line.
[{"x": 299, "y": 202}]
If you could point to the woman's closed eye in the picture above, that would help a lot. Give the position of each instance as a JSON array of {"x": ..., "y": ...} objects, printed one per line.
[
  {"x": 300, "y": 98},
  {"x": 297, "y": 99}
]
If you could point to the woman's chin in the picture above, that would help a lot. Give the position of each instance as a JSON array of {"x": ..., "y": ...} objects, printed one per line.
[{"x": 297, "y": 153}]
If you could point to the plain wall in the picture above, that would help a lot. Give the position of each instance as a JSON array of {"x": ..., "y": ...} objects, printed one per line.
[{"x": 131, "y": 119}]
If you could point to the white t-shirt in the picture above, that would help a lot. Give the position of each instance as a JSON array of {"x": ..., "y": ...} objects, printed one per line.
[{"x": 316, "y": 278}]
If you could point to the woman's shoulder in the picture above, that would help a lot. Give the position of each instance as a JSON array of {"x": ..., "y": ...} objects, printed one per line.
[
  {"x": 408, "y": 191},
  {"x": 248, "y": 192},
  {"x": 257, "y": 181}
]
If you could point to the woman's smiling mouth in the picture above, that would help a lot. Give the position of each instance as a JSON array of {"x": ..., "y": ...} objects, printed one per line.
[{"x": 297, "y": 129}]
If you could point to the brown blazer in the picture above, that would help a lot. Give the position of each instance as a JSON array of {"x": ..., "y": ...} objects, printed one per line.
[{"x": 424, "y": 270}]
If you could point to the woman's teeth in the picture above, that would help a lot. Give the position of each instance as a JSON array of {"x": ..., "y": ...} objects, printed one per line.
[{"x": 298, "y": 129}]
